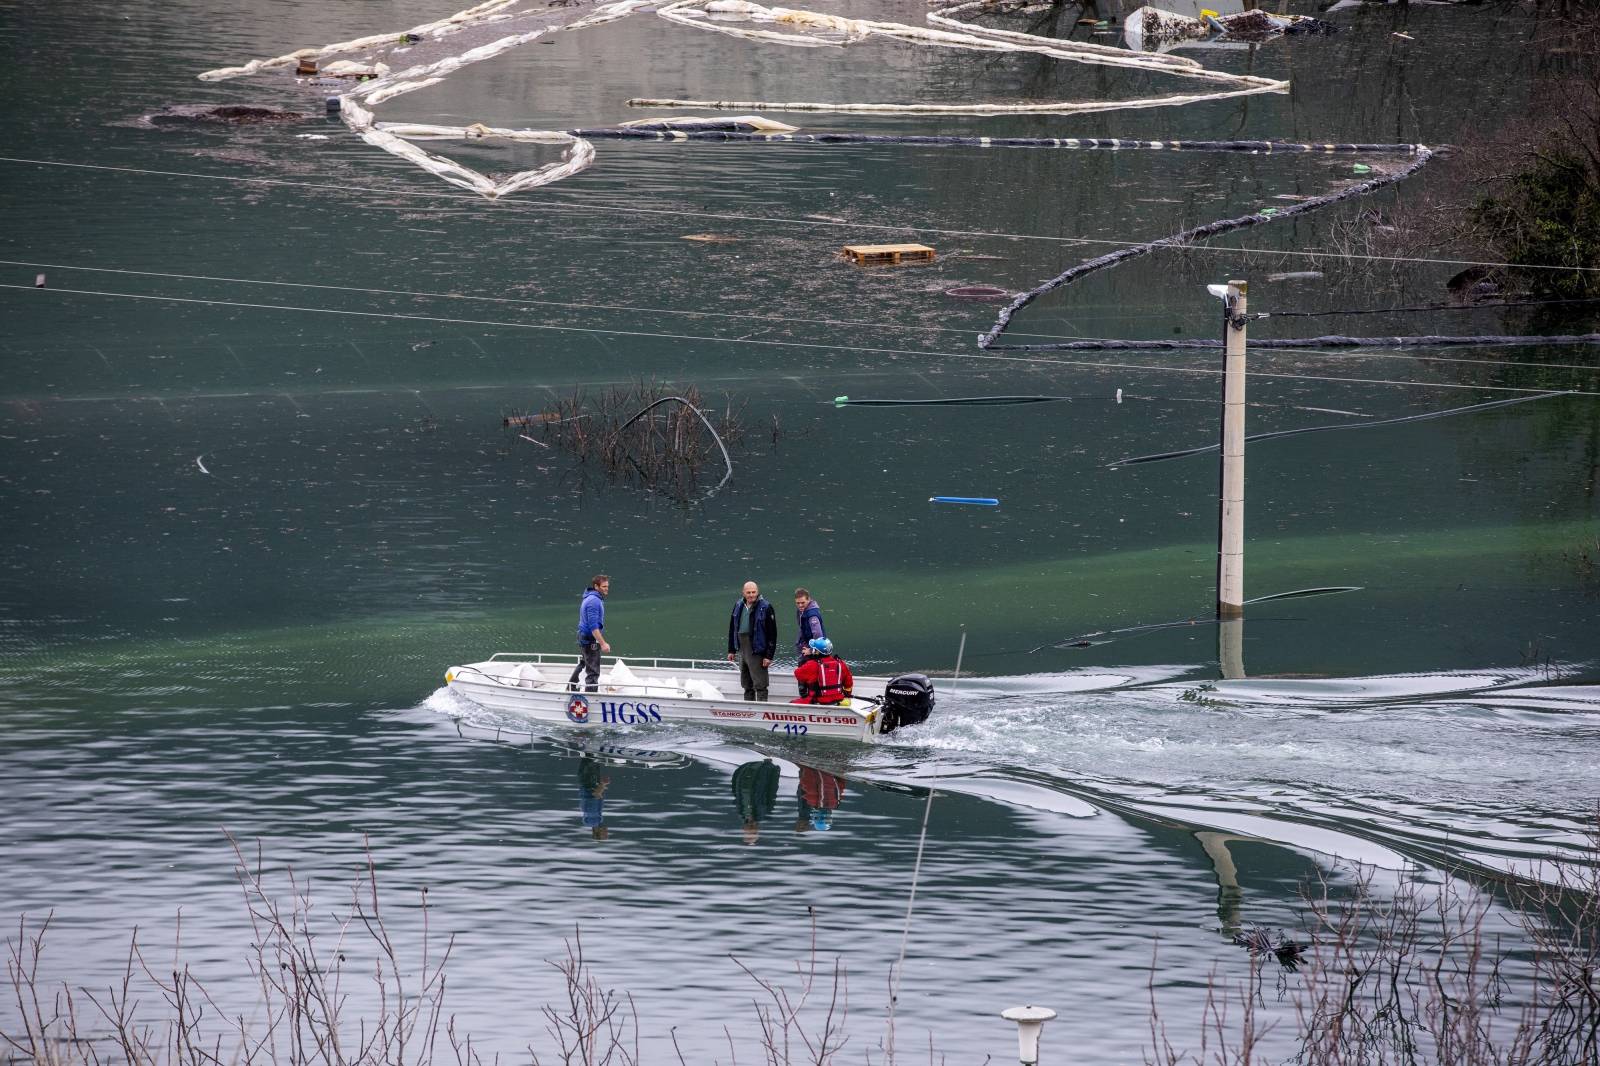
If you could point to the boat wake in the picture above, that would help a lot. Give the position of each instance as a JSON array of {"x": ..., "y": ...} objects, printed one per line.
[{"x": 1487, "y": 770}]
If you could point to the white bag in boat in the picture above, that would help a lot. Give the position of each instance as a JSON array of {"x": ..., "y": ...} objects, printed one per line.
[{"x": 620, "y": 676}]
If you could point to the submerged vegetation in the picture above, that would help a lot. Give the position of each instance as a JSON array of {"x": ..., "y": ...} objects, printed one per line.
[
  {"x": 1544, "y": 212},
  {"x": 643, "y": 434},
  {"x": 1524, "y": 194},
  {"x": 1422, "y": 974}
]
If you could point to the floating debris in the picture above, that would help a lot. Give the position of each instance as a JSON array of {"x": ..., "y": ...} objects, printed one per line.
[
  {"x": 1421, "y": 155},
  {"x": 1261, "y": 943},
  {"x": 811, "y": 29},
  {"x": 978, "y": 292},
  {"x": 888, "y": 254},
  {"x": 220, "y": 114},
  {"x": 346, "y": 68},
  {"x": 1152, "y": 27},
  {"x": 967, "y": 501},
  {"x": 709, "y": 238},
  {"x": 525, "y": 421},
  {"x": 1295, "y": 275}
]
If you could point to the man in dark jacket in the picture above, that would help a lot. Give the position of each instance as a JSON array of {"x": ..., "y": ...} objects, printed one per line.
[
  {"x": 808, "y": 617},
  {"x": 591, "y": 634},
  {"x": 752, "y": 640}
]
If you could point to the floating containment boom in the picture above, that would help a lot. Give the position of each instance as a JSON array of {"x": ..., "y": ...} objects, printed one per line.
[{"x": 736, "y": 18}]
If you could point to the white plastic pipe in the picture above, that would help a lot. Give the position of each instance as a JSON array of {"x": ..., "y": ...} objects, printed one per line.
[{"x": 1030, "y": 1021}]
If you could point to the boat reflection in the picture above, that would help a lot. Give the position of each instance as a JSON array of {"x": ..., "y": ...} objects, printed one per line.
[
  {"x": 819, "y": 795},
  {"x": 755, "y": 791},
  {"x": 592, "y": 785}
]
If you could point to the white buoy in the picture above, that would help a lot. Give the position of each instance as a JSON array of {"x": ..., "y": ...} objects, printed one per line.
[
  {"x": 1119, "y": 395},
  {"x": 1030, "y": 1021}
]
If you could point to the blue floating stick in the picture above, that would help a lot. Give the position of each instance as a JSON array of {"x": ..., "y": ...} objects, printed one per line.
[{"x": 971, "y": 501}]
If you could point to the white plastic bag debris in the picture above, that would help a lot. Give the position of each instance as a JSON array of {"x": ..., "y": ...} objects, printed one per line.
[
  {"x": 349, "y": 68},
  {"x": 1149, "y": 26}
]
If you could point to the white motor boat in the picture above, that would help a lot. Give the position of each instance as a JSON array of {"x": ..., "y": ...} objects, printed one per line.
[{"x": 642, "y": 691}]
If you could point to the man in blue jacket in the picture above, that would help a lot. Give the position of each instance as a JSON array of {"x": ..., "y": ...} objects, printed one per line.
[
  {"x": 752, "y": 640},
  {"x": 808, "y": 618},
  {"x": 591, "y": 634}
]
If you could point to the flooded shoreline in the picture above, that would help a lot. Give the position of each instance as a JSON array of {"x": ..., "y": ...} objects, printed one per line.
[{"x": 259, "y": 451}]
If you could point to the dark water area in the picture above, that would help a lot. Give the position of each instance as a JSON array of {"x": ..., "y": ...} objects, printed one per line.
[{"x": 258, "y": 496}]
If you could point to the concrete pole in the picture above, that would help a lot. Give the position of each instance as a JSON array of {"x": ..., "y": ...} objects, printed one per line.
[
  {"x": 1230, "y": 534},
  {"x": 1230, "y": 648}
]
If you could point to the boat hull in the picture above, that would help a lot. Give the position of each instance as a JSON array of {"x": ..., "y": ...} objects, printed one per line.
[{"x": 650, "y": 691}]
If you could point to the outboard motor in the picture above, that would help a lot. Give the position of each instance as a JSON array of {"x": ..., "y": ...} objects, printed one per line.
[{"x": 907, "y": 700}]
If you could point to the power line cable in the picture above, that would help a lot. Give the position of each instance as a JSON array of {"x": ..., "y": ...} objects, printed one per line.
[
  {"x": 1294, "y": 343},
  {"x": 520, "y": 205},
  {"x": 1427, "y": 416},
  {"x": 1081, "y": 344},
  {"x": 598, "y": 333},
  {"x": 574, "y": 305},
  {"x": 1423, "y": 307}
]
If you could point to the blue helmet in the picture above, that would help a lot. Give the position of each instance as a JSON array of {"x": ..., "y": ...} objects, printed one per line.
[{"x": 820, "y": 645}]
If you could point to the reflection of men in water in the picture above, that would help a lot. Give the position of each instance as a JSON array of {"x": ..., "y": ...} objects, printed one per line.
[
  {"x": 755, "y": 789},
  {"x": 753, "y": 640},
  {"x": 819, "y": 796},
  {"x": 592, "y": 796}
]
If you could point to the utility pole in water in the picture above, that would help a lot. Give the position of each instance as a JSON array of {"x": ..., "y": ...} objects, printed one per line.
[{"x": 1230, "y": 497}]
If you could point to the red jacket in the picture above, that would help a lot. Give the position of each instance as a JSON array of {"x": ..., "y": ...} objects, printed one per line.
[
  {"x": 820, "y": 789},
  {"x": 824, "y": 679}
]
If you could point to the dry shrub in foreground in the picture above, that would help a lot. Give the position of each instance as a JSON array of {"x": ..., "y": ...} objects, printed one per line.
[
  {"x": 304, "y": 976},
  {"x": 310, "y": 966}
]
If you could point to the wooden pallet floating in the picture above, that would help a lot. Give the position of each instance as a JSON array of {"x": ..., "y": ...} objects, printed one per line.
[{"x": 888, "y": 254}]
